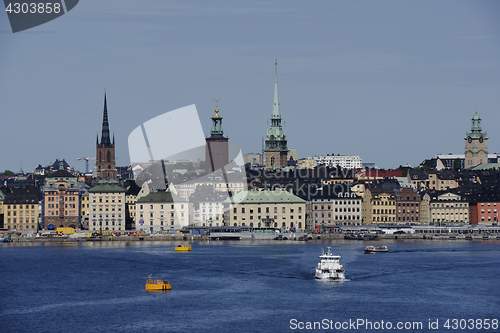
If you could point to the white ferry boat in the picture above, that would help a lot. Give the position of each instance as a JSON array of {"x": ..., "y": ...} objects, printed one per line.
[
  {"x": 376, "y": 249},
  {"x": 329, "y": 267}
]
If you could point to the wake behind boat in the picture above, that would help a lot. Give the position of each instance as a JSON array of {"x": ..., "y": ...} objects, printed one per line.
[
  {"x": 376, "y": 249},
  {"x": 329, "y": 267}
]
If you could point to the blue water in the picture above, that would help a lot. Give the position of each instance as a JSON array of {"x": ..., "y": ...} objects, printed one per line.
[{"x": 245, "y": 286}]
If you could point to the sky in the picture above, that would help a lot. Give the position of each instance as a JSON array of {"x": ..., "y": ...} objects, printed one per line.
[{"x": 395, "y": 82}]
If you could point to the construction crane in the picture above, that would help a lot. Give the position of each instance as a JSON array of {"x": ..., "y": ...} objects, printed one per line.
[{"x": 86, "y": 159}]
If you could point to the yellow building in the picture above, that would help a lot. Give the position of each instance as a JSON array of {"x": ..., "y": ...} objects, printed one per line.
[
  {"x": 441, "y": 181},
  {"x": 21, "y": 210},
  {"x": 379, "y": 206},
  {"x": 278, "y": 209},
  {"x": 448, "y": 208}
]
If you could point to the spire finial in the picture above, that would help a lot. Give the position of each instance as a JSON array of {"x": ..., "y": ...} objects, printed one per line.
[
  {"x": 276, "y": 65},
  {"x": 476, "y": 109},
  {"x": 216, "y": 108}
]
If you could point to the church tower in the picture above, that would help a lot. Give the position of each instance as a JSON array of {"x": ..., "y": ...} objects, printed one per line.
[
  {"x": 105, "y": 151},
  {"x": 216, "y": 148},
  {"x": 276, "y": 152},
  {"x": 476, "y": 144}
]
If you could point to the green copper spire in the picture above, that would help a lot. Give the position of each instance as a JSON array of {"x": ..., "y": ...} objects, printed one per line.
[
  {"x": 276, "y": 104},
  {"x": 476, "y": 128},
  {"x": 276, "y": 138}
]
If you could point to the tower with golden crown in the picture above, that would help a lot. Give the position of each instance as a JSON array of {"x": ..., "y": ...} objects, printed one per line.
[{"x": 217, "y": 146}]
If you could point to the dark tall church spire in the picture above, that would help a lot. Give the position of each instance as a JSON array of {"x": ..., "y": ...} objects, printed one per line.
[{"x": 105, "y": 138}]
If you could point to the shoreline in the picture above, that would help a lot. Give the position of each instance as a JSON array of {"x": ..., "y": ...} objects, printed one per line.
[{"x": 177, "y": 238}]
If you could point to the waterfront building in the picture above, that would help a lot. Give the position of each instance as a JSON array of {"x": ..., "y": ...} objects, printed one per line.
[
  {"x": 379, "y": 206},
  {"x": 446, "y": 207},
  {"x": 22, "y": 207},
  {"x": 333, "y": 205},
  {"x": 407, "y": 205},
  {"x": 276, "y": 152},
  {"x": 344, "y": 161},
  {"x": 206, "y": 207},
  {"x": 105, "y": 150},
  {"x": 484, "y": 207},
  {"x": 61, "y": 200},
  {"x": 107, "y": 206},
  {"x": 216, "y": 148},
  {"x": 161, "y": 210},
  {"x": 476, "y": 144},
  {"x": 278, "y": 209}
]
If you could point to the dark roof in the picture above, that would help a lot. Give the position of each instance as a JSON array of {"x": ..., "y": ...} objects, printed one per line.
[
  {"x": 107, "y": 186},
  {"x": 61, "y": 174},
  {"x": 161, "y": 196},
  {"x": 57, "y": 164}
]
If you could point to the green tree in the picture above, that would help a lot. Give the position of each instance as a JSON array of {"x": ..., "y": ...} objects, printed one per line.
[
  {"x": 8, "y": 173},
  {"x": 457, "y": 164}
]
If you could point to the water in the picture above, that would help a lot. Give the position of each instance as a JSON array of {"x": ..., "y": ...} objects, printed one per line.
[{"x": 245, "y": 286}]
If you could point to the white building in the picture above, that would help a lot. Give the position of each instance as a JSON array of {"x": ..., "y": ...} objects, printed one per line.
[
  {"x": 107, "y": 206},
  {"x": 344, "y": 161},
  {"x": 161, "y": 210}
]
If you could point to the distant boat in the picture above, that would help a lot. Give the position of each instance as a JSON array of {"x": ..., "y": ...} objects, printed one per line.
[
  {"x": 183, "y": 248},
  {"x": 376, "y": 249},
  {"x": 157, "y": 285}
]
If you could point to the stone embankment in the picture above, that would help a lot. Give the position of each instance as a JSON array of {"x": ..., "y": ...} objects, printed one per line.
[{"x": 188, "y": 237}]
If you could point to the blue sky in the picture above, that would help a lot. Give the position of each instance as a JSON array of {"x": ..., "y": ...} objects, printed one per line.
[{"x": 394, "y": 82}]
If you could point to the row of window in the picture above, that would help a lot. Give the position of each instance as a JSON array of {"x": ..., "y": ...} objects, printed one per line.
[
  {"x": 449, "y": 205},
  {"x": 20, "y": 207},
  {"x": 14, "y": 220},
  {"x": 14, "y": 213},
  {"x": 95, "y": 223},
  {"x": 161, "y": 206},
  {"x": 66, "y": 198},
  {"x": 106, "y": 199},
  {"x": 259, "y": 210},
  {"x": 384, "y": 203},
  {"x": 384, "y": 211},
  {"x": 259, "y": 218},
  {"x": 66, "y": 212},
  {"x": 107, "y": 216}
]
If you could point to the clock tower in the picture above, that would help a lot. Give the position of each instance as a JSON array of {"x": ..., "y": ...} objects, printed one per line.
[{"x": 476, "y": 144}]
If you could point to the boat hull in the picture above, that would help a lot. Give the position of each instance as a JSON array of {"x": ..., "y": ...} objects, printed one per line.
[
  {"x": 329, "y": 275},
  {"x": 183, "y": 248},
  {"x": 157, "y": 285}
]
